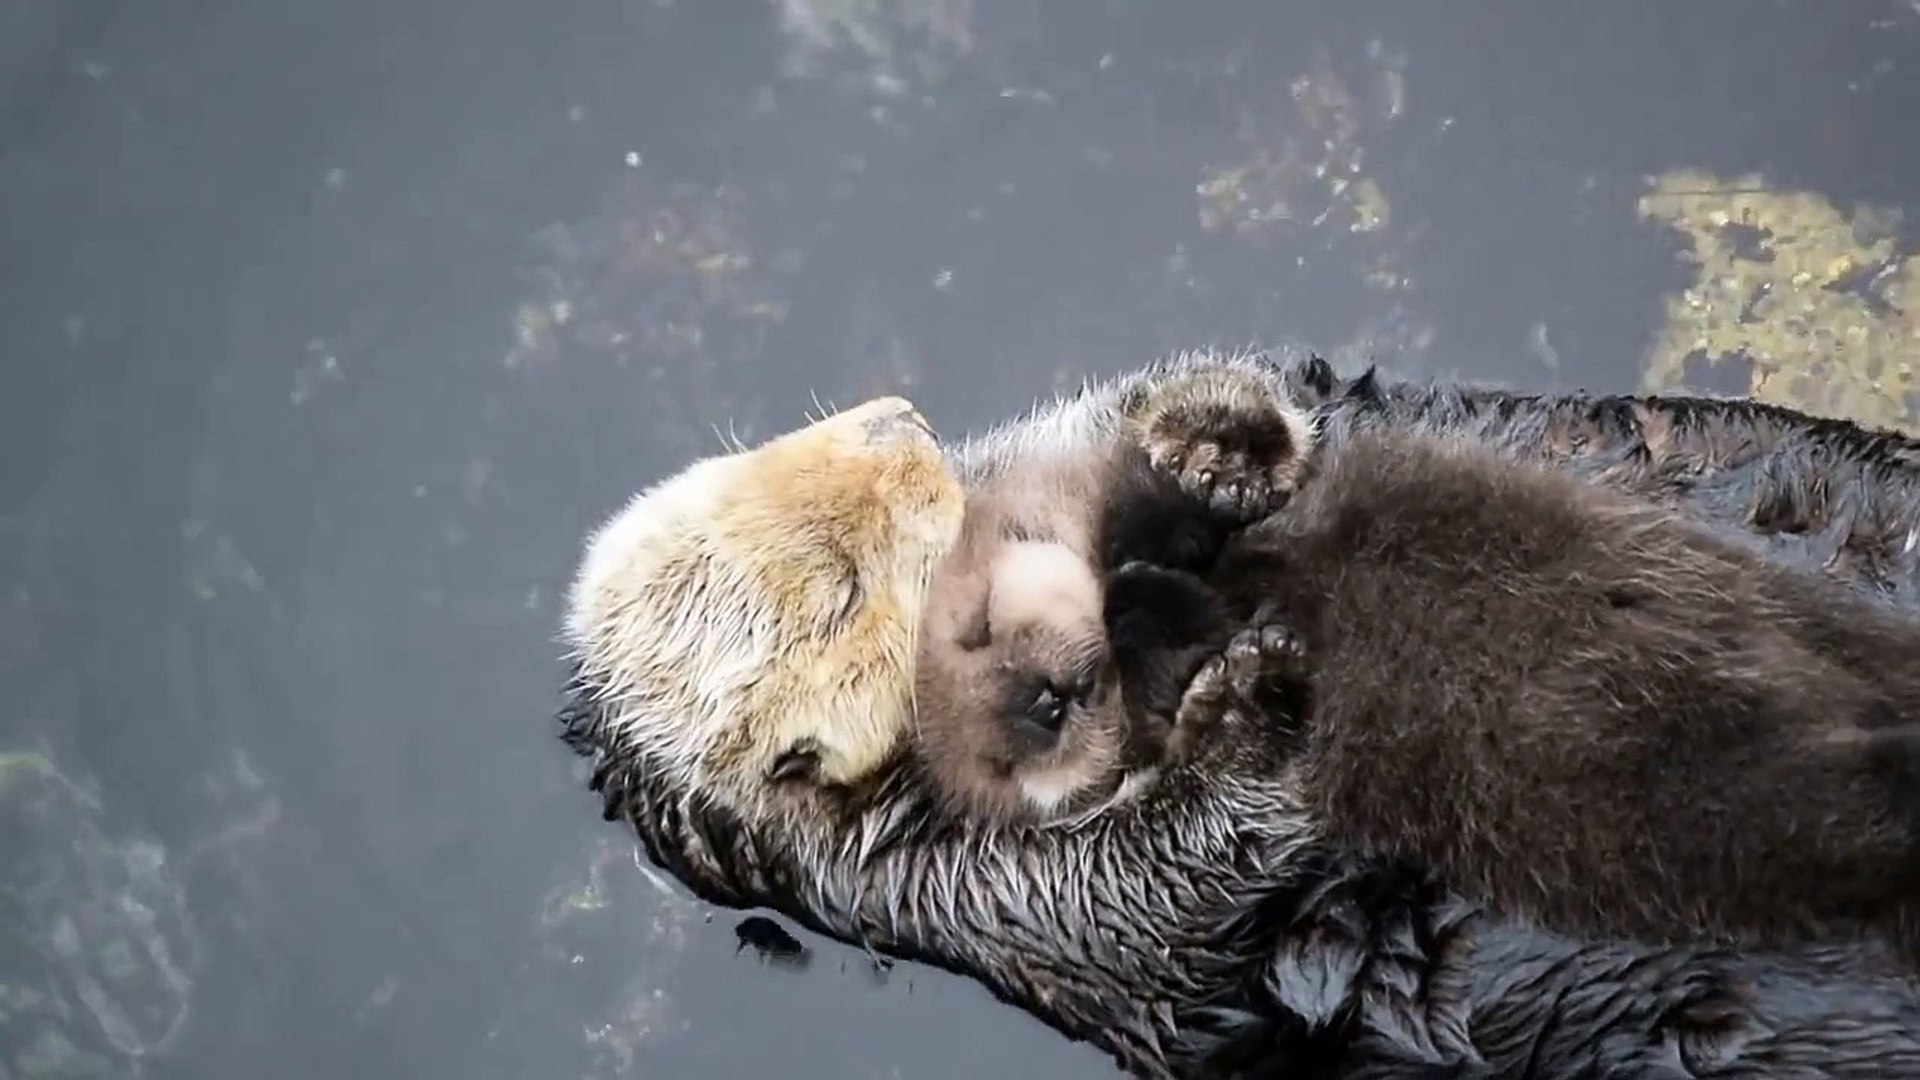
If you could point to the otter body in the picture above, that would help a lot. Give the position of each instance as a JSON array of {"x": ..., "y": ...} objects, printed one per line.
[
  {"x": 1201, "y": 929},
  {"x": 1582, "y": 707}
]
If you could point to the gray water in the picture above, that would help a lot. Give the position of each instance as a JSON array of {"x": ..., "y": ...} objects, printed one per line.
[{"x": 329, "y": 329}]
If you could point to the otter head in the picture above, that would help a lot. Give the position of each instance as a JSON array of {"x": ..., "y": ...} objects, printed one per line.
[
  {"x": 752, "y": 620},
  {"x": 1021, "y": 715}
]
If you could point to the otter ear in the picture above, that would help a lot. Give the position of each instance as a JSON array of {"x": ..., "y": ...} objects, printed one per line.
[
  {"x": 1318, "y": 374},
  {"x": 1365, "y": 387},
  {"x": 802, "y": 763}
]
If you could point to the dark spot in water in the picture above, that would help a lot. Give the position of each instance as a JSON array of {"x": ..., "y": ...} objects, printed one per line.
[
  {"x": 1749, "y": 242},
  {"x": 771, "y": 941},
  {"x": 1718, "y": 376}
]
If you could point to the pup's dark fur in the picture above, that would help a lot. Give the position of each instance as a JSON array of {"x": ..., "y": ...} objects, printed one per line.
[
  {"x": 1580, "y": 706},
  {"x": 1162, "y": 621}
]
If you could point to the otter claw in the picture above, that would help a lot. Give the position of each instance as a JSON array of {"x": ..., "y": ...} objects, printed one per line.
[
  {"x": 1258, "y": 654},
  {"x": 1229, "y": 480},
  {"x": 1279, "y": 642},
  {"x": 1244, "y": 647},
  {"x": 1206, "y": 695}
]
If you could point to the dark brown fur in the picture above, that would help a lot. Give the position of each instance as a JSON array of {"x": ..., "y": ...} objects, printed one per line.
[{"x": 1583, "y": 707}]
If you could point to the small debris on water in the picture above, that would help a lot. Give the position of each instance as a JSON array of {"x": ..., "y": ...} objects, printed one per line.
[{"x": 771, "y": 941}]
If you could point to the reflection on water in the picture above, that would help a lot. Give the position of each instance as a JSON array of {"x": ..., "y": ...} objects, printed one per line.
[{"x": 333, "y": 328}]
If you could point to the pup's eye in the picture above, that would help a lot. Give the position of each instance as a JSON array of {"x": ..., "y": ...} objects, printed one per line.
[{"x": 1049, "y": 708}]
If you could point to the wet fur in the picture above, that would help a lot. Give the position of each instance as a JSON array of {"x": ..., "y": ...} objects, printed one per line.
[
  {"x": 1583, "y": 708},
  {"x": 1198, "y": 931},
  {"x": 1203, "y": 930}
]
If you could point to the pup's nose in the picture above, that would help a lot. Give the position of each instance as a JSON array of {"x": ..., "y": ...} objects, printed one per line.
[{"x": 893, "y": 419}]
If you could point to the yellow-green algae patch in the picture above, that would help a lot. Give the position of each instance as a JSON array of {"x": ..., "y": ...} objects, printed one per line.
[
  {"x": 1312, "y": 175},
  {"x": 1301, "y": 186},
  {"x": 18, "y": 764},
  {"x": 1820, "y": 305}
]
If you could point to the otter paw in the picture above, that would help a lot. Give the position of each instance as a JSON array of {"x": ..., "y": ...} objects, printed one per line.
[
  {"x": 1263, "y": 653},
  {"x": 1207, "y": 697},
  {"x": 1232, "y": 440},
  {"x": 1254, "y": 658}
]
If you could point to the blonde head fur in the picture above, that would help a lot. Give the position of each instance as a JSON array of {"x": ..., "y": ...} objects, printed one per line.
[{"x": 755, "y": 615}]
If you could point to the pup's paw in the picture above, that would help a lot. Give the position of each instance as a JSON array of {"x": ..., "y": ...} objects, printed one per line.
[
  {"x": 1262, "y": 655},
  {"x": 1231, "y": 438},
  {"x": 1265, "y": 653}
]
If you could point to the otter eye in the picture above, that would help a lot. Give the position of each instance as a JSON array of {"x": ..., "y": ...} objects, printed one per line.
[
  {"x": 1049, "y": 708},
  {"x": 851, "y": 597},
  {"x": 837, "y": 606},
  {"x": 795, "y": 766}
]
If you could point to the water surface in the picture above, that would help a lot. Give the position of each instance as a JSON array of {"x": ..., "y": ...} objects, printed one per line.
[{"x": 330, "y": 328}]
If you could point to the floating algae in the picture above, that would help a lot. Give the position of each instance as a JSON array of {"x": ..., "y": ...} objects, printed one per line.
[
  {"x": 20, "y": 764},
  {"x": 664, "y": 277},
  {"x": 1820, "y": 306},
  {"x": 1304, "y": 188},
  {"x": 1314, "y": 175}
]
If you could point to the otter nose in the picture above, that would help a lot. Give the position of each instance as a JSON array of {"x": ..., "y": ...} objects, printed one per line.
[{"x": 895, "y": 420}]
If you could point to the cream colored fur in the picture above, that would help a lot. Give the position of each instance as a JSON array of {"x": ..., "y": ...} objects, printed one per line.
[{"x": 767, "y": 601}]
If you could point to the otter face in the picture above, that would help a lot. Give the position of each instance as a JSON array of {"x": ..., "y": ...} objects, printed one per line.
[
  {"x": 753, "y": 618},
  {"x": 1021, "y": 716}
]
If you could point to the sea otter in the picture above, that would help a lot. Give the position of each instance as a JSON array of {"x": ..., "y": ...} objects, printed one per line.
[
  {"x": 1697, "y": 740},
  {"x": 1202, "y": 928}
]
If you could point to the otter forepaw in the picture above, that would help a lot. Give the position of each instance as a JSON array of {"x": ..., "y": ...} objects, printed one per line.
[
  {"x": 1232, "y": 440},
  {"x": 1207, "y": 697},
  {"x": 1255, "y": 657},
  {"x": 1261, "y": 654}
]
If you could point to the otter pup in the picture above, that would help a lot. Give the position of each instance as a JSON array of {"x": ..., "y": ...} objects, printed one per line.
[
  {"x": 1018, "y": 711},
  {"x": 1028, "y": 707},
  {"x": 1576, "y": 704}
]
